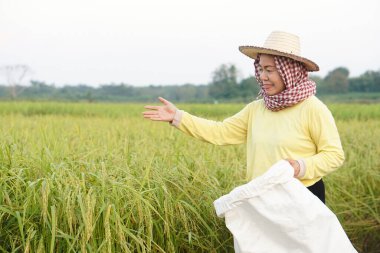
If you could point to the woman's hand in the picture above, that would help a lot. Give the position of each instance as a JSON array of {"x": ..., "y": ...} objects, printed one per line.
[
  {"x": 165, "y": 112},
  {"x": 296, "y": 166}
]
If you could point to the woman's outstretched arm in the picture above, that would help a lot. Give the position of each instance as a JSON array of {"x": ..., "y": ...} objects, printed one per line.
[{"x": 232, "y": 130}]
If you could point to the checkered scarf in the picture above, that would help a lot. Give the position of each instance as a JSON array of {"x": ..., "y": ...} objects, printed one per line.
[{"x": 298, "y": 86}]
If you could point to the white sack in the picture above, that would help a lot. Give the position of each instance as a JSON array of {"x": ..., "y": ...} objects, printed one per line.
[{"x": 276, "y": 213}]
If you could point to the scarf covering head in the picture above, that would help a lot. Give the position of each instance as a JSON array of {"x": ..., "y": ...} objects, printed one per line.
[{"x": 298, "y": 86}]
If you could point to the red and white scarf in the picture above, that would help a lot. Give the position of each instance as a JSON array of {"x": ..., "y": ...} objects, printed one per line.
[{"x": 298, "y": 86}]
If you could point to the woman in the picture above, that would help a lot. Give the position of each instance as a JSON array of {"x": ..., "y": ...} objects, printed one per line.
[{"x": 289, "y": 122}]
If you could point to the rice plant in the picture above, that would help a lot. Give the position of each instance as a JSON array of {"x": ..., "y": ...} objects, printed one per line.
[{"x": 77, "y": 177}]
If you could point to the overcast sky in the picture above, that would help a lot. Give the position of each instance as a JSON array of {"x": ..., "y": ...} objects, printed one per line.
[{"x": 146, "y": 42}]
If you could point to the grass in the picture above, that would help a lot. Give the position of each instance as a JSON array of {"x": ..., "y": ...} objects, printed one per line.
[{"x": 79, "y": 177}]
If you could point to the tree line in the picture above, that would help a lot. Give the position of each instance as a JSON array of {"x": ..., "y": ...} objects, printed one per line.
[{"x": 224, "y": 86}]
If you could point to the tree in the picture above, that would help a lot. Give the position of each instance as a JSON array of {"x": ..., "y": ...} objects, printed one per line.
[
  {"x": 122, "y": 90},
  {"x": 337, "y": 80},
  {"x": 14, "y": 75},
  {"x": 249, "y": 88},
  {"x": 224, "y": 83},
  {"x": 367, "y": 82}
]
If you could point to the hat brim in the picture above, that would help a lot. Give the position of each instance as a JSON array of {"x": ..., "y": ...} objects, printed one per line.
[{"x": 252, "y": 51}]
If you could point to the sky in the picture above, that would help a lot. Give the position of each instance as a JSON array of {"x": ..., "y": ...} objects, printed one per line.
[{"x": 169, "y": 42}]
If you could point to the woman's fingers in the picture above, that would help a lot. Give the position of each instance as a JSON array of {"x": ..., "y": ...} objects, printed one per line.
[
  {"x": 151, "y": 116},
  {"x": 157, "y": 119},
  {"x": 164, "y": 101},
  {"x": 295, "y": 166},
  {"x": 160, "y": 113},
  {"x": 154, "y": 117},
  {"x": 152, "y": 107},
  {"x": 147, "y": 115},
  {"x": 150, "y": 113}
]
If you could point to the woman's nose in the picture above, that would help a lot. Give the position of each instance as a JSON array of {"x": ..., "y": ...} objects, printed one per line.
[{"x": 263, "y": 76}]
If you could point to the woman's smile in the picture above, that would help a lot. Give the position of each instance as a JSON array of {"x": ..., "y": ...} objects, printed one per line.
[{"x": 267, "y": 86}]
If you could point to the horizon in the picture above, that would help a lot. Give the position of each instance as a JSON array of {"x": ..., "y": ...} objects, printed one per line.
[{"x": 311, "y": 74}]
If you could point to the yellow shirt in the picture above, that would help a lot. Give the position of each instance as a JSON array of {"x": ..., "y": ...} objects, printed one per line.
[{"x": 305, "y": 131}]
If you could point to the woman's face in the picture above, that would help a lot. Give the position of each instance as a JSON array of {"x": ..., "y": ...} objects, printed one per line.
[{"x": 272, "y": 82}]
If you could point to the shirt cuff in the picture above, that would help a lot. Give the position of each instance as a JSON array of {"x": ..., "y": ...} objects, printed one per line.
[
  {"x": 177, "y": 118},
  {"x": 302, "y": 172}
]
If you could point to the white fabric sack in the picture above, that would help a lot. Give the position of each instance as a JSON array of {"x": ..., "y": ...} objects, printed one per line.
[{"x": 276, "y": 213}]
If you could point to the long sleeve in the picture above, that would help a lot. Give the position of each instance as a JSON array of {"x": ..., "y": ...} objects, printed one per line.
[
  {"x": 329, "y": 149},
  {"x": 232, "y": 130}
]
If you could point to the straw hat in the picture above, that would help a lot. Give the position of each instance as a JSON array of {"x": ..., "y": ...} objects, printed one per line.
[{"x": 282, "y": 44}]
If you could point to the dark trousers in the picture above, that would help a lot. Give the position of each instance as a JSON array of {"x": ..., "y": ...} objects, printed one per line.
[{"x": 318, "y": 189}]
